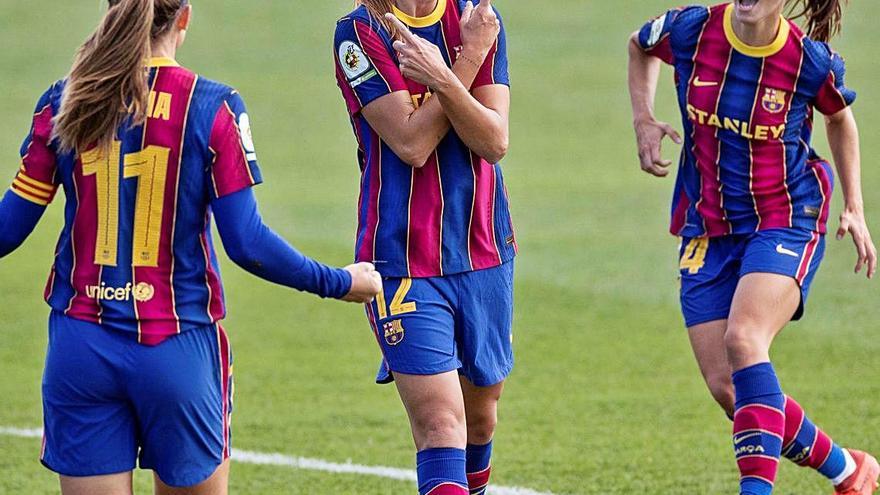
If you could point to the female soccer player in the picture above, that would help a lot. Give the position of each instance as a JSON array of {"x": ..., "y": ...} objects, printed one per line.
[
  {"x": 426, "y": 86},
  {"x": 138, "y": 365},
  {"x": 751, "y": 204}
]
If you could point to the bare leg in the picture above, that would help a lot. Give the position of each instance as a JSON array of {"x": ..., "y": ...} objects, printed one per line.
[
  {"x": 707, "y": 341},
  {"x": 481, "y": 409},
  {"x": 436, "y": 409},
  {"x": 113, "y": 484},
  {"x": 436, "y": 413},
  {"x": 763, "y": 304}
]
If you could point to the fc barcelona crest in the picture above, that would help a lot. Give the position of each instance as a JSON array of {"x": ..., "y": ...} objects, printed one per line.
[
  {"x": 393, "y": 332},
  {"x": 774, "y": 100}
]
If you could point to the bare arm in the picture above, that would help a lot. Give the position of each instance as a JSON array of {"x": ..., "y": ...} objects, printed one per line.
[
  {"x": 414, "y": 133},
  {"x": 413, "y": 129},
  {"x": 644, "y": 73},
  {"x": 481, "y": 118},
  {"x": 843, "y": 137}
]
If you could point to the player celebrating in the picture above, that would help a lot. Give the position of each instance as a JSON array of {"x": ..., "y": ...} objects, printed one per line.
[
  {"x": 751, "y": 204},
  {"x": 426, "y": 86},
  {"x": 138, "y": 364}
]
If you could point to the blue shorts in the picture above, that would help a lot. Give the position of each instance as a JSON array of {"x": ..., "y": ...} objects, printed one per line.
[
  {"x": 711, "y": 268},
  {"x": 429, "y": 326},
  {"x": 108, "y": 400}
]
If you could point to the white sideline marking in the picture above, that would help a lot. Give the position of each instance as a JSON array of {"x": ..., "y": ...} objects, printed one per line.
[{"x": 286, "y": 461}]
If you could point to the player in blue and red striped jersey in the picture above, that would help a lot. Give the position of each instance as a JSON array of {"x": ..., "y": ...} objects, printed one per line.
[
  {"x": 138, "y": 365},
  {"x": 751, "y": 204},
  {"x": 426, "y": 86}
]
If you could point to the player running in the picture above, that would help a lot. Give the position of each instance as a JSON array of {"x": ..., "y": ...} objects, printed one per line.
[
  {"x": 751, "y": 204},
  {"x": 426, "y": 86},
  {"x": 138, "y": 365}
]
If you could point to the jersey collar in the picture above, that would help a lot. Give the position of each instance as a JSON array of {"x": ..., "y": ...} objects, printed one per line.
[
  {"x": 162, "y": 62},
  {"x": 755, "y": 51},
  {"x": 421, "y": 22}
]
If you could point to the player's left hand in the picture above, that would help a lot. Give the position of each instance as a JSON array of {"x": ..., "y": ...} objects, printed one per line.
[
  {"x": 852, "y": 221},
  {"x": 420, "y": 60},
  {"x": 479, "y": 28}
]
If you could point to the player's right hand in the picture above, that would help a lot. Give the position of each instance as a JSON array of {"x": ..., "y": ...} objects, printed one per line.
[
  {"x": 479, "y": 28},
  {"x": 649, "y": 135},
  {"x": 366, "y": 283}
]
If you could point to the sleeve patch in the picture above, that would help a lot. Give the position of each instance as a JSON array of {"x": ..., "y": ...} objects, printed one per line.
[
  {"x": 355, "y": 64},
  {"x": 247, "y": 137},
  {"x": 656, "y": 30}
]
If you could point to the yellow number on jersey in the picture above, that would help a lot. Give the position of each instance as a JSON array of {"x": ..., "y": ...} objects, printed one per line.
[
  {"x": 398, "y": 307},
  {"x": 694, "y": 257},
  {"x": 150, "y": 166},
  {"x": 106, "y": 172}
]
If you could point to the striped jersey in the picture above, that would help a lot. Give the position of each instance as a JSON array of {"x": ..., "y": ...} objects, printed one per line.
[
  {"x": 450, "y": 216},
  {"x": 747, "y": 163},
  {"x": 135, "y": 252}
]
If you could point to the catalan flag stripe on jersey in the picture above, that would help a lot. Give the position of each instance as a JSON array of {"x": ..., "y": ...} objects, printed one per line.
[
  {"x": 449, "y": 216},
  {"x": 136, "y": 252},
  {"x": 747, "y": 164}
]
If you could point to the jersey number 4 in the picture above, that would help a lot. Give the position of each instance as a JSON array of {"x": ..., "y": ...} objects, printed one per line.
[
  {"x": 150, "y": 167},
  {"x": 694, "y": 257}
]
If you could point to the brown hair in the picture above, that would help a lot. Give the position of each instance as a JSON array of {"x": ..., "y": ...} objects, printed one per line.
[
  {"x": 823, "y": 17},
  {"x": 378, "y": 9},
  {"x": 107, "y": 82}
]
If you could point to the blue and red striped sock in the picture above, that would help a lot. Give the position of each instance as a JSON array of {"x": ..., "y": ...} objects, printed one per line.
[
  {"x": 479, "y": 467},
  {"x": 442, "y": 472},
  {"x": 808, "y": 446},
  {"x": 758, "y": 427}
]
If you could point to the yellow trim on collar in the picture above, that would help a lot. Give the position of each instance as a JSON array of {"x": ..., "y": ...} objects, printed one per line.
[
  {"x": 421, "y": 22},
  {"x": 162, "y": 62},
  {"x": 755, "y": 51}
]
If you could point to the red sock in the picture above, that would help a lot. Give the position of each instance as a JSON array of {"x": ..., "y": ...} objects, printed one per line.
[
  {"x": 448, "y": 489},
  {"x": 808, "y": 446},
  {"x": 478, "y": 482}
]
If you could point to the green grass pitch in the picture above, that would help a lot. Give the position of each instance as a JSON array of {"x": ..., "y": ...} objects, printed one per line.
[{"x": 605, "y": 398}]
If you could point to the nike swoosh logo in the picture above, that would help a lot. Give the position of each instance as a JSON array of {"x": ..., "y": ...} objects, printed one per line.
[
  {"x": 787, "y": 252},
  {"x": 737, "y": 441},
  {"x": 704, "y": 84}
]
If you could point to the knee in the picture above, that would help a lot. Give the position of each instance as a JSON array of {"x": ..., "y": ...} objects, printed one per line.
[
  {"x": 440, "y": 429},
  {"x": 742, "y": 340},
  {"x": 481, "y": 429}
]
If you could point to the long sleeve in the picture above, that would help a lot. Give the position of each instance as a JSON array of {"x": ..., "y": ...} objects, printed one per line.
[
  {"x": 18, "y": 218},
  {"x": 257, "y": 249}
]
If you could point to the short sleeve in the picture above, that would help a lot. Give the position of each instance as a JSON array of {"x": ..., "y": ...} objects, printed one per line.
[
  {"x": 235, "y": 158},
  {"x": 654, "y": 36},
  {"x": 37, "y": 178},
  {"x": 365, "y": 69},
  {"x": 834, "y": 96},
  {"x": 495, "y": 69}
]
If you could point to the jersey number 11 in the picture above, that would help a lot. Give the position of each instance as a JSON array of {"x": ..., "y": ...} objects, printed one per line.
[{"x": 150, "y": 167}]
